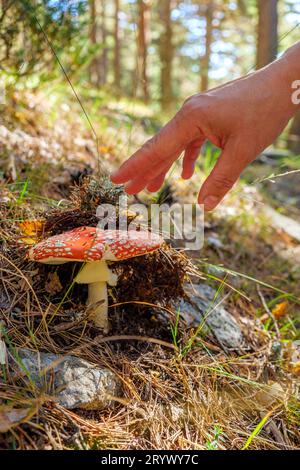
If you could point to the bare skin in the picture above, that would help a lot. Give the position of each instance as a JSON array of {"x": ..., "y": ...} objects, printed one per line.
[{"x": 242, "y": 118}]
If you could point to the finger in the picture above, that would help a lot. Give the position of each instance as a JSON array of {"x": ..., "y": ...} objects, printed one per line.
[
  {"x": 136, "y": 185},
  {"x": 157, "y": 182},
  {"x": 224, "y": 175},
  {"x": 140, "y": 182},
  {"x": 167, "y": 144},
  {"x": 189, "y": 160}
]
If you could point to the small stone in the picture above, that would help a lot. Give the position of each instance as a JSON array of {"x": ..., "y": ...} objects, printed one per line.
[
  {"x": 75, "y": 382},
  {"x": 215, "y": 242},
  {"x": 177, "y": 413},
  {"x": 3, "y": 352},
  {"x": 282, "y": 222},
  {"x": 204, "y": 304}
]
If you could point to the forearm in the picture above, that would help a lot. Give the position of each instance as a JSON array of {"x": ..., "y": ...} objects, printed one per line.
[
  {"x": 291, "y": 61},
  {"x": 285, "y": 72}
]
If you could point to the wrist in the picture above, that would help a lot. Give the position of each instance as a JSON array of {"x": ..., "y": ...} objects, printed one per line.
[
  {"x": 287, "y": 68},
  {"x": 290, "y": 61},
  {"x": 282, "y": 78}
]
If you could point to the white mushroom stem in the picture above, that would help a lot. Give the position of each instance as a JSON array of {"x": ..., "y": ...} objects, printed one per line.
[
  {"x": 97, "y": 275},
  {"x": 98, "y": 302}
]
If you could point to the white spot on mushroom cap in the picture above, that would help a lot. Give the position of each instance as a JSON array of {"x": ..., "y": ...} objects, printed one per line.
[{"x": 92, "y": 244}]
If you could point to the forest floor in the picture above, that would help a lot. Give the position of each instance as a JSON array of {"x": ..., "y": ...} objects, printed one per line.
[{"x": 181, "y": 387}]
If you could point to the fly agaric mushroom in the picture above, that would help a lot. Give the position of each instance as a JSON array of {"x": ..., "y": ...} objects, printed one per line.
[{"x": 95, "y": 247}]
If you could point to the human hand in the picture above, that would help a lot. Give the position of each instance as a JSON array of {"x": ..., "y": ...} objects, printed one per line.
[{"x": 242, "y": 118}]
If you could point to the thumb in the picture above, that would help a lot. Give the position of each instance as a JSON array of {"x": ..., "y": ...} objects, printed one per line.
[{"x": 232, "y": 161}]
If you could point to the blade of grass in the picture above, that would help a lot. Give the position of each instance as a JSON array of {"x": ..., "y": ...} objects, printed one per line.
[
  {"x": 253, "y": 279},
  {"x": 258, "y": 428},
  {"x": 23, "y": 193}
]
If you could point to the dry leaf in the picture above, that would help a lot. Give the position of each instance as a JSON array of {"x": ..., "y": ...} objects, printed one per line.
[
  {"x": 28, "y": 241},
  {"x": 296, "y": 368},
  {"x": 280, "y": 310},
  {"x": 104, "y": 149},
  {"x": 267, "y": 395},
  {"x": 53, "y": 284},
  {"x": 32, "y": 227},
  {"x": 295, "y": 357}
]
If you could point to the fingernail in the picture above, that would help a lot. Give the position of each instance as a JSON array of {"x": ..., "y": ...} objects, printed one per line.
[{"x": 210, "y": 202}]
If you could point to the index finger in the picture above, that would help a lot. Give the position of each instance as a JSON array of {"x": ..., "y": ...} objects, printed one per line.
[{"x": 170, "y": 141}]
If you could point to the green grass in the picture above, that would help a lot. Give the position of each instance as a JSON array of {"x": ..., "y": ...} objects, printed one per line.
[
  {"x": 174, "y": 329},
  {"x": 216, "y": 439},
  {"x": 258, "y": 429}
]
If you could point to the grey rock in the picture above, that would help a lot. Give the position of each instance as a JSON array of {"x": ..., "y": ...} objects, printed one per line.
[
  {"x": 215, "y": 242},
  {"x": 282, "y": 222},
  {"x": 75, "y": 382},
  {"x": 177, "y": 413},
  {"x": 272, "y": 156},
  {"x": 204, "y": 305}
]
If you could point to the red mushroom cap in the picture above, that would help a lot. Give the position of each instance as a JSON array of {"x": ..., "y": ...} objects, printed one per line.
[{"x": 92, "y": 244}]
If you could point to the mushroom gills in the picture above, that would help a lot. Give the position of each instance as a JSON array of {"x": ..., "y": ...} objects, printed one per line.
[{"x": 93, "y": 271}]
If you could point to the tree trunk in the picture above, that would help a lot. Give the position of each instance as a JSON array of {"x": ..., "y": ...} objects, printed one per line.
[
  {"x": 166, "y": 53},
  {"x": 103, "y": 36},
  {"x": 267, "y": 39},
  {"x": 142, "y": 44},
  {"x": 294, "y": 136},
  {"x": 98, "y": 36},
  {"x": 117, "y": 44},
  {"x": 205, "y": 59},
  {"x": 93, "y": 40}
]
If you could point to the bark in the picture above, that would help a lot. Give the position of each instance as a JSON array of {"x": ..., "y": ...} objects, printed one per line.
[
  {"x": 166, "y": 53},
  {"x": 267, "y": 39},
  {"x": 93, "y": 40},
  {"x": 98, "y": 36},
  {"x": 205, "y": 60},
  {"x": 103, "y": 36},
  {"x": 142, "y": 46},
  {"x": 117, "y": 47}
]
